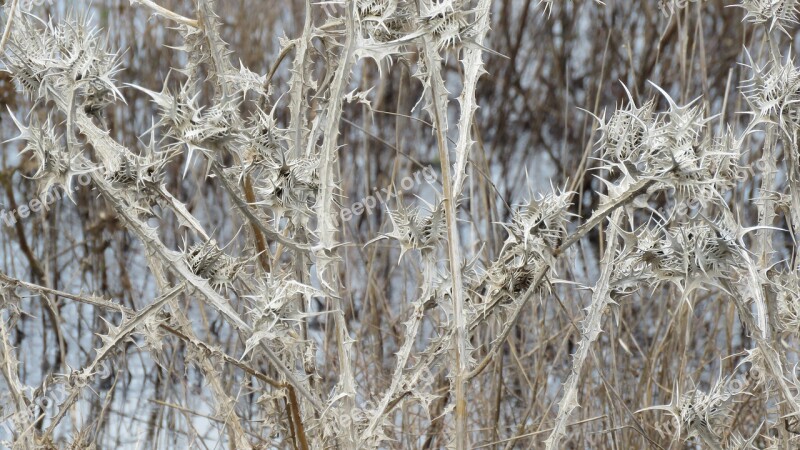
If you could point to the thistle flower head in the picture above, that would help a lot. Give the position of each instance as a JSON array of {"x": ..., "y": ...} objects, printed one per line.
[
  {"x": 67, "y": 56},
  {"x": 780, "y": 14},
  {"x": 787, "y": 298},
  {"x": 385, "y": 20},
  {"x": 177, "y": 111},
  {"x": 773, "y": 92},
  {"x": 631, "y": 261},
  {"x": 705, "y": 171},
  {"x": 690, "y": 255},
  {"x": 702, "y": 413},
  {"x": 513, "y": 276},
  {"x": 535, "y": 230},
  {"x": 55, "y": 166},
  {"x": 276, "y": 314},
  {"x": 140, "y": 171},
  {"x": 653, "y": 144},
  {"x": 262, "y": 142},
  {"x": 446, "y": 22},
  {"x": 367, "y": 9},
  {"x": 287, "y": 184},
  {"x": 212, "y": 125},
  {"x": 545, "y": 218},
  {"x": 27, "y": 59},
  {"x": 624, "y": 135},
  {"x": 676, "y": 137},
  {"x": 208, "y": 261},
  {"x": 675, "y": 147},
  {"x": 415, "y": 230}
]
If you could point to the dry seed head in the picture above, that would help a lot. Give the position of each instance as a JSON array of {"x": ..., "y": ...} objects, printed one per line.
[
  {"x": 701, "y": 413},
  {"x": 676, "y": 137},
  {"x": 773, "y": 92},
  {"x": 140, "y": 171},
  {"x": 535, "y": 230},
  {"x": 367, "y": 9},
  {"x": 624, "y": 135},
  {"x": 450, "y": 24},
  {"x": 415, "y": 231},
  {"x": 631, "y": 263},
  {"x": 385, "y": 20},
  {"x": 690, "y": 255},
  {"x": 673, "y": 147},
  {"x": 27, "y": 57},
  {"x": 780, "y": 14},
  {"x": 545, "y": 217},
  {"x": 788, "y": 300},
  {"x": 288, "y": 184},
  {"x": 262, "y": 141},
  {"x": 212, "y": 125},
  {"x": 178, "y": 111},
  {"x": 210, "y": 262},
  {"x": 56, "y": 167}
]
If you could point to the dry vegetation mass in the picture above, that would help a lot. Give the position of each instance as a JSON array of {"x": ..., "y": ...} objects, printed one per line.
[{"x": 397, "y": 224}]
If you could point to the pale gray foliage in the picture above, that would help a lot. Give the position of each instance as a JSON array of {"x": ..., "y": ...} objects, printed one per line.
[{"x": 284, "y": 183}]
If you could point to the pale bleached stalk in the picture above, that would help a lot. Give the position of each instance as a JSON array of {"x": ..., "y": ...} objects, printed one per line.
[
  {"x": 45, "y": 291},
  {"x": 403, "y": 354},
  {"x": 7, "y": 32},
  {"x": 175, "y": 259},
  {"x": 298, "y": 84},
  {"x": 116, "y": 336},
  {"x": 160, "y": 10},
  {"x": 763, "y": 325},
  {"x": 183, "y": 214},
  {"x": 590, "y": 330},
  {"x": 473, "y": 69},
  {"x": 766, "y": 217},
  {"x": 412, "y": 328},
  {"x": 208, "y": 22},
  {"x": 327, "y": 267},
  {"x": 9, "y": 366},
  {"x": 110, "y": 150},
  {"x": 222, "y": 398},
  {"x": 433, "y": 62},
  {"x": 100, "y": 139}
]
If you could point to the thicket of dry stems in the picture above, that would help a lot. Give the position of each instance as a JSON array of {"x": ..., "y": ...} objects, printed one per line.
[{"x": 600, "y": 254}]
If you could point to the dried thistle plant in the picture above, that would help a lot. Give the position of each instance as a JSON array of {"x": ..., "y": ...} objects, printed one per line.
[{"x": 305, "y": 331}]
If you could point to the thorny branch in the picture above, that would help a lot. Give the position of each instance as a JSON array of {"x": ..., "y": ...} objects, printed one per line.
[{"x": 668, "y": 217}]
